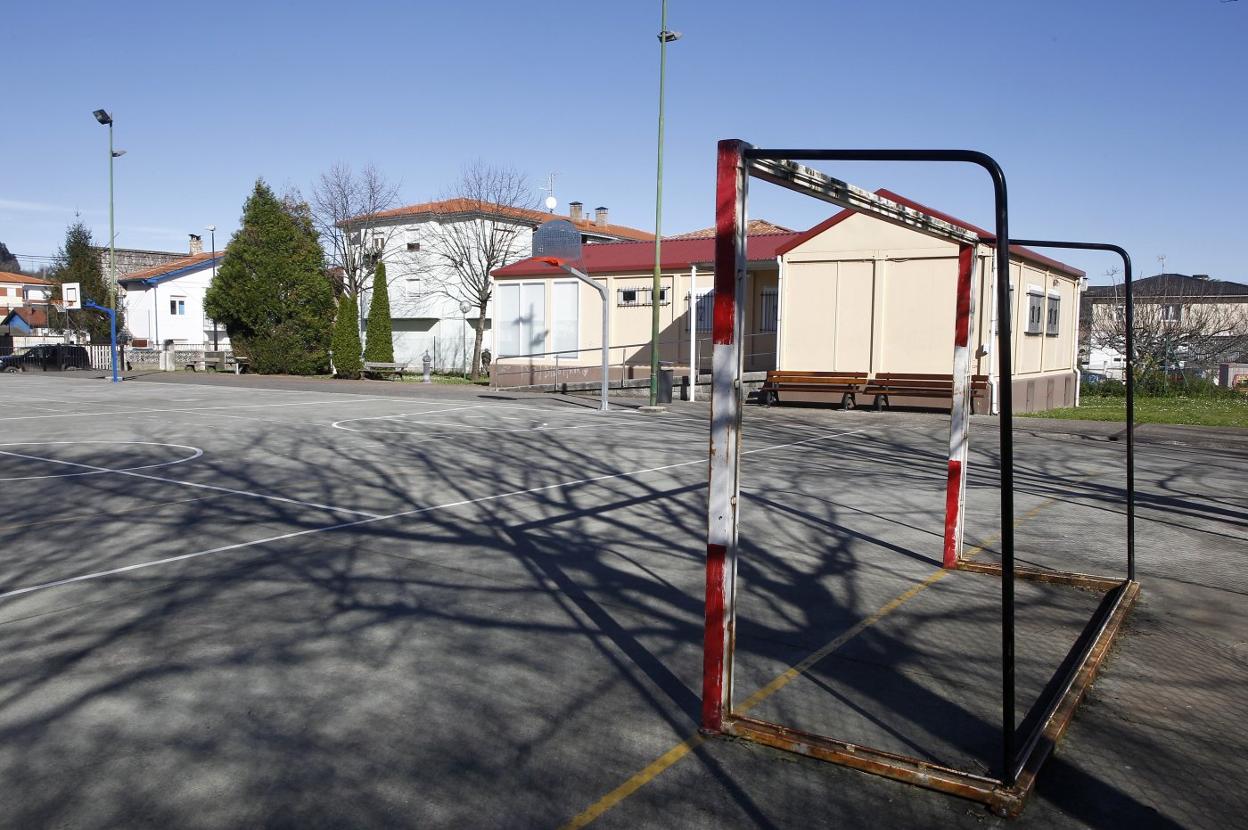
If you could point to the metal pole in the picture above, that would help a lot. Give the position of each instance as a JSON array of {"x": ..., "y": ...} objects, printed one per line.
[
  {"x": 656, "y": 284},
  {"x": 112, "y": 235},
  {"x": 215, "y": 339},
  {"x": 606, "y": 334},
  {"x": 693, "y": 331},
  {"x": 1129, "y": 369}
]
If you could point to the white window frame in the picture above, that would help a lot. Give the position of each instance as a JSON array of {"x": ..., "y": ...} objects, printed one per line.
[
  {"x": 177, "y": 306},
  {"x": 1176, "y": 317},
  {"x": 1053, "y": 315}
]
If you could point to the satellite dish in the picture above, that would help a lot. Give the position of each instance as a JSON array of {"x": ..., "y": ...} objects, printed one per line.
[{"x": 551, "y": 202}]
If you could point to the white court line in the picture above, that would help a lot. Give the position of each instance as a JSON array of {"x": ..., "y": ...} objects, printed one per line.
[
  {"x": 359, "y": 522},
  {"x": 196, "y": 452},
  {"x": 130, "y": 472},
  {"x": 157, "y": 411}
]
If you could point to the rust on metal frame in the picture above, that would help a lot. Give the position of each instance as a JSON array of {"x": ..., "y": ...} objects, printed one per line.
[
  {"x": 1071, "y": 578},
  {"x": 996, "y": 794}
]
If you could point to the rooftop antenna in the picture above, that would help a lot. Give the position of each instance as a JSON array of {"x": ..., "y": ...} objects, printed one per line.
[
  {"x": 551, "y": 201},
  {"x": 1162, "y": 259}
]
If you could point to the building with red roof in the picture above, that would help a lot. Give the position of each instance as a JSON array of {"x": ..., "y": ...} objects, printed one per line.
[{"x": 854, "y": 293}]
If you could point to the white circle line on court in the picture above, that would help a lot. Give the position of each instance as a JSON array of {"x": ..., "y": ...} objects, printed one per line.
[{"x": 196, "y": 452}]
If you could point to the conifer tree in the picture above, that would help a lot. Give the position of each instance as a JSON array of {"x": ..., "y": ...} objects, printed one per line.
[
  {"x": 78, "y": 261},
  {"x": 347, "y": 362},
  {"x": 271, "y": 291},
  {"x": 379, "y": 345}
]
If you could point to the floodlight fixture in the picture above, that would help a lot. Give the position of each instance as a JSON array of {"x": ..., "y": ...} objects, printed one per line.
[{"x": 103, "y": 117}]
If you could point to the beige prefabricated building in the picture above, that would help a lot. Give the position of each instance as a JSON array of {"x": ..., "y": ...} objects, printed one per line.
[{"x": 852, "y": 294}]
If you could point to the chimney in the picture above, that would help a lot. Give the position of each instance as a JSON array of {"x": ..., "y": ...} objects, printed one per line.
[
  {"x": 576, "y": 211},
  {"x": 600, "y": 216},
  {"x": 197, "y": 244}
]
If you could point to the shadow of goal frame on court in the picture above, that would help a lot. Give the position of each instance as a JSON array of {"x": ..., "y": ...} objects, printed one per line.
[{"x": 1025, "y": 745}]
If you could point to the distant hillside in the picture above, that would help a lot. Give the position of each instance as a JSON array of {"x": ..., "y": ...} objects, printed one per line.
[{"x": 8, "y": 262}]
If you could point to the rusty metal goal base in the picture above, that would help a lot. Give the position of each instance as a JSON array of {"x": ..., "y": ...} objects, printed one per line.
[{"x": 1053, "y": 712}]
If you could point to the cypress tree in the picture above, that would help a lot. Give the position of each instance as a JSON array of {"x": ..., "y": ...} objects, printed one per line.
[
  {"x": 347, "y": 363},
  {"x": 78, "y": 261},
  {"x": 271, "y": 290},
  {"x": 379, "y": 345}
]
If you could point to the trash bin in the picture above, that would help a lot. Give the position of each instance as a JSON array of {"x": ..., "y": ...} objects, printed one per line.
[{"x": 665, "y": 383}]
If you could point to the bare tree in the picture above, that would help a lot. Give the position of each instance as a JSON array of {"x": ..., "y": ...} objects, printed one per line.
[
  {"x": 346, "y": 210},
  {"x": 1178, "y": 321},
  {"x": 484, "y": 224}
]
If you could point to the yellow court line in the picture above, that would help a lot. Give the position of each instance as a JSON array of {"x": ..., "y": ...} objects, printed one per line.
[{"x": 673, "y": 755}]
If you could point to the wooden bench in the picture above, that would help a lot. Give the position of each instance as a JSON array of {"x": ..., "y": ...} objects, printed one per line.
[
  {"x": 848, "y": 384},
  {"x": 915, "y": 385},
  {"x": 376, "y": 369}
]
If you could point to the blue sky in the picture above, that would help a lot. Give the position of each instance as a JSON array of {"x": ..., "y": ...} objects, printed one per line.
[{"x": 1118, "y": 120}]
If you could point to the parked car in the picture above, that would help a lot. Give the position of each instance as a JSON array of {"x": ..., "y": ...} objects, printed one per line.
[{"x": 50, "y": 357}]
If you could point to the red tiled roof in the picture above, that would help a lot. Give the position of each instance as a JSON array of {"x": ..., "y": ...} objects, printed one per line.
[
  {"x": 36, "y": 318},
  {"x": 622, "y": 257},
  {"x": 525, "y": 215},
  {"x": 166, "y": 267},
  {"x": 987, "y": 236},
  {"x": 755, "y": 226},
  {"x": 10, "y": 278}
]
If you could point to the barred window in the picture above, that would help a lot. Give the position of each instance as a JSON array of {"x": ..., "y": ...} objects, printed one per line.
[
  {"x": 627, "y": 297},
  {"x": 769, "y": 310},
  {"x": 705, "y": 307}
]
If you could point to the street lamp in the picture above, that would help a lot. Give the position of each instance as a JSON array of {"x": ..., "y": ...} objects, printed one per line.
[
  {"x": 656, "y": 290},
  {"x": 107, "y": 120},
  {"x": 212, "y": 229},
  {"x": 464, "y": 308}
]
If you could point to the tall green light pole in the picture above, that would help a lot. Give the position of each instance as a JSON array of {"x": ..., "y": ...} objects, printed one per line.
[
  {"x": 107, "y": 120},
  {"x": 656, "y": 290}
]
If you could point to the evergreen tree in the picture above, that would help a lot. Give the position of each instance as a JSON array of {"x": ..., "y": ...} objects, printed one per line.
[
  {"x": 271, "y": 291},
  {"x": 347, "y": 363},
  {"x": 379, "y": 346},
  {"x": 78, "y": 261}
]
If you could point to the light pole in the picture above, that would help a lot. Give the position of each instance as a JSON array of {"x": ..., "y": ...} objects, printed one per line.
[
  {"x": 107, "y": 120},
  {"x": 464, "y": 308},
  {"x": 212, "y": 229},
  {"x": 656, "y": 290}
]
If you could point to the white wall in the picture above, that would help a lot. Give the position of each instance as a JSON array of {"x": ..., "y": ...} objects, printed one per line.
[
  {"x": 148, "y": 314},
  {"x": 433, "y": 321}
]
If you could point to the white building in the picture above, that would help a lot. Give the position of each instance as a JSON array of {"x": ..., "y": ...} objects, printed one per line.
[
  {"x": 166, "y": 302},
  {"x": 407, "y": 239}
]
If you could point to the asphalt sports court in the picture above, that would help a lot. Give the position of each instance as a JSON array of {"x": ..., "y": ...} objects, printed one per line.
[{"x": 237, "y": 603}]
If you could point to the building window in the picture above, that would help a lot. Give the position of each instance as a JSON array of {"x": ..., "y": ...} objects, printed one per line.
[
  {"x": 521, "y": 310},
  {"x": 641, "y": 296},
  {"x": 1172, "y": 313},
  {"x": 565, "y": 318},
  {"x": 770, "y": 310},
  {"x": 413, "y": 246},
  {"x": 1035, "y": 313},
  {"x": 706, "y": 303},
  {"x": 1053, "y": 322},
  {"x": 177, "y": 306}
]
